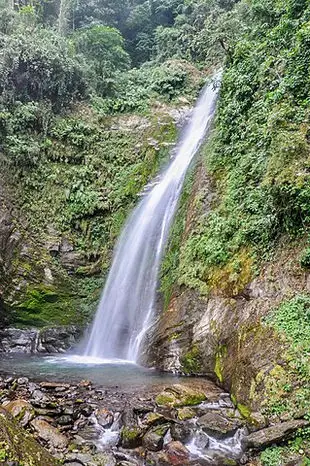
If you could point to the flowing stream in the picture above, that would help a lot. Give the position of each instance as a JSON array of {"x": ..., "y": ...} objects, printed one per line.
[{"x": 128, "y": 298}]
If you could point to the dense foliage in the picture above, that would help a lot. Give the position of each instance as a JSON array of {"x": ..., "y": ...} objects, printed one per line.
[{"x": 259, "y": 152}]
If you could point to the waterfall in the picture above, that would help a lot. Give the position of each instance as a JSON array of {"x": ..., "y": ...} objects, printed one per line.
[{"x": 127, "y": 303}]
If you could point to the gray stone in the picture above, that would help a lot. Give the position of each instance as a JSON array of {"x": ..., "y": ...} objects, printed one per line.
[
  {"x": 51, "y": 340},
  {"x": 49, "y": 433},
  {"x": 153, "y": 440},
  {"x": 274, "y": 434},
  {"x": 216, "y": 425},
  {"x": 181, "y": 432},
  {"x": 22, "y": 381}
]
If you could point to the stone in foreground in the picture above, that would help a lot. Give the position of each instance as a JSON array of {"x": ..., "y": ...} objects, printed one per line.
[
  {"x": 266, "y": 437},
  {"x": 19, "y": 447}
]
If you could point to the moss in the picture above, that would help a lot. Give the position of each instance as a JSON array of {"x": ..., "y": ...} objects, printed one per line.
[
  {"x": 44, "y": 306},
  {"x": 192, "y": 400},
  {"x": 165, "y": 399},
  {"x": 18, "y": 446},
  {"x": 161, "y": 430},
  {"x": 244, "y": 411},
  {"x": 231, "y": 278},
  {"x": 180, "y": 397},
  {"x": 130, "y": 433},
  {"x": 131, "y": 437},
  {"x": 185, "y": 413},
  {"x": 218, "y": 368},
  {"x": 191, "y": 361},
  {"x": 174, "y": 336},
  {"x": 286, "y": 386}
]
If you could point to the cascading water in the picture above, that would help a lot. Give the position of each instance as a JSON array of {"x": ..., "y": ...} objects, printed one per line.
[{"x": 128, "y": 299}]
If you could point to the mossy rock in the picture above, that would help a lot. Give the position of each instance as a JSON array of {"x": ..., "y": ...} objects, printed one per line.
[
  {"x": 185, "y": 413},
  {"x": 18, "y": 446},
  {"x": 131, "y": 437},
  {"x": 179, "y": 396}
]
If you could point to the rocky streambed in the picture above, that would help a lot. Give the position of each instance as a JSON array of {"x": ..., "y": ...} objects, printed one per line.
[{"x": 190, "y": 423}]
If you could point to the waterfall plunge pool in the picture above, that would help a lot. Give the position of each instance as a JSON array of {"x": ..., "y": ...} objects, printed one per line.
[{"x": 114, "y": 373}]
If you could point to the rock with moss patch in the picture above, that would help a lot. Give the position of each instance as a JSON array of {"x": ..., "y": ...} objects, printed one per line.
[
  {"x": 185, "y": 413},
  {"x": 180, "y": 395},
  {"x": 21, "y": 410},
  {"x": 16, "y": 445},
  {"x": 131, "y": 437},
  {"x": 153, "y": 440}
]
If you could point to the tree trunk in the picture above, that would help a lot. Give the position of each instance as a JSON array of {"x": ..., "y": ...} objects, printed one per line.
[{"x": 63, "y": 16}]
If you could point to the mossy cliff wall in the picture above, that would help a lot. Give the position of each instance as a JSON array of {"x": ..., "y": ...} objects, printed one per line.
[
  {"x": 59, "y": 220},
  {"x": 239, "y": 332},
  {"x": 235, "y": 279}
]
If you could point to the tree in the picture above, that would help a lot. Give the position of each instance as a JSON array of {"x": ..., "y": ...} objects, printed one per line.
[{"x": 103, "y": 47}]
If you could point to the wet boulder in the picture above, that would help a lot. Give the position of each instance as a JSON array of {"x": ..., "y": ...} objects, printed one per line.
[
  {"x": 153, "y": 440},
  {"x": 104, "y": 417},
  {"x": 131, "y": 437},
  {"x": 177, "y": 454},
  {"x": 181, "y": 432},
  {"x": 217, "y": 425}
]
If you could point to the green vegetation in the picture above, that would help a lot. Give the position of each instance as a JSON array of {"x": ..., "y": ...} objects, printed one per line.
[
  {"x": 191, "y": 362},
  {"x": 288, "y": 387},
  {"x": 85, "y": 123},
  {"x": 294, "y": 451},
  {"x": 43, "y": 305},
  {"x": 259, "y": 151}
]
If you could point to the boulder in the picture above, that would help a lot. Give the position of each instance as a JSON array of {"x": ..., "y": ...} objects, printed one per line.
[
  {"x": 21, "y": 410},
  {"x": 185, "y": 413},
  {"x": 177, "y": 454},
  {"x": 180, "y": 395},
  {"x": 131, "y": 437},
  {"x": 104, "y": 417},
  {"x": 14, "y": 340},
  {"x": 49, "y": 433},
  {"x": 274, "y": 434},
  {"x": 217, "y": 425},
  {"x": 153, "y": 440},
  {"x": 181, "y": 432},
  {"x": 57, "y": 339},
  {"x": 154, "y": 419},
  {"x": 51, "y": 340}
]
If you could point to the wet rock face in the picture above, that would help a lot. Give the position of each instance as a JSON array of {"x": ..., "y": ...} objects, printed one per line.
[
  {"x": 52, "y": 340},
  {"x": 222, "y": 335}
]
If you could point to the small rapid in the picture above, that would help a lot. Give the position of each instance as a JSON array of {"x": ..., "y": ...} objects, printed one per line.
[{"x": 127, "y": 303}]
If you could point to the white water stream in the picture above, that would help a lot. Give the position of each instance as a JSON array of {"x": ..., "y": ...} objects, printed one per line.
[{"x": 127, "y": 303}]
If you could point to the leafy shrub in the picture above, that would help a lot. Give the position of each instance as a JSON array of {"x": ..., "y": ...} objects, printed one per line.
[{"x": 36, "y": 65}]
